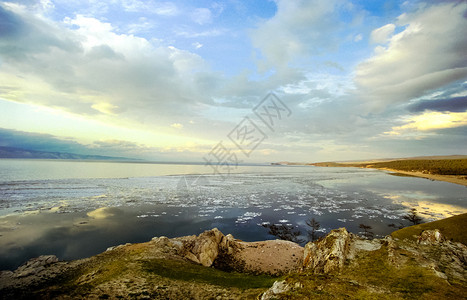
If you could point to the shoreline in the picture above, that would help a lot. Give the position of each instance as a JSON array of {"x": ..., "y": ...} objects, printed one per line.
[
  {"x": 422, "y": 168},
  {"x": 446, "y": 178}
]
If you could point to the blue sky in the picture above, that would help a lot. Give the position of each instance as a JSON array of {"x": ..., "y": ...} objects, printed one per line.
[{"x": 169, "y": 80}]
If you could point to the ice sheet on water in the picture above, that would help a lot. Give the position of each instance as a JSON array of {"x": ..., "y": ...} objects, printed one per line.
[{"x": 288, "y": 196}]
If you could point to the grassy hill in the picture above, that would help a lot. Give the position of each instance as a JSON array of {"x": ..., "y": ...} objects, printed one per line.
[{"x": 452, "y": 228}]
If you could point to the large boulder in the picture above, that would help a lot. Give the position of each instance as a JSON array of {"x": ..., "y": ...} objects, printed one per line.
[
  {"x": 328, "y": 254},
  {"x": 205, "y": 248},
  {"x": 428, "y": 237},
  {"x": 277, "y": 288}
]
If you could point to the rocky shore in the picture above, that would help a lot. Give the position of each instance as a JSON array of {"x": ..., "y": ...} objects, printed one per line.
[{"x": 217, "y": 266}]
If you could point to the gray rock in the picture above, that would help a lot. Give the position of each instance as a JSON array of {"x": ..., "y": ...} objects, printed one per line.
[
  {"x": 204, "y": 248},
  {"x": 277, "y": 288},
  {"x": 431, "y": 237},
  {"x": 35, "y": 265},
  {"x": 328, "y": 254}
]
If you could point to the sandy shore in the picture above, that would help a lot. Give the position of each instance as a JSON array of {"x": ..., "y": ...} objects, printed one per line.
[{"x": 462, "y": 180}]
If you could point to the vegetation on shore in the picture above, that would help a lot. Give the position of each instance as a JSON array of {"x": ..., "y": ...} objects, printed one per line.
[
  {"x": 426, "y": 166},
  {"x": 453, "y": 229},
  {"x": 437, "y": 167},
  {"x": 373, "y": 277}
]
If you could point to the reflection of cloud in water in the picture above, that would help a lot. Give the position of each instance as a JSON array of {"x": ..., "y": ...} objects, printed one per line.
[
  {"x": 413, "y": 195},
  {"x": 104, "y": 213},
  {"x": 82, "y": 213},
  {"x": 425, "y": 204},
  {"x": 433, "y": 210}
]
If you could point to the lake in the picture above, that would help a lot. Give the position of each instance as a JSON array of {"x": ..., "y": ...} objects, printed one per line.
[{"x": 75, "y": 209}]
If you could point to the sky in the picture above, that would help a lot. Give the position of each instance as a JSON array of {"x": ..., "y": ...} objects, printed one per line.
[{"x": 264, "y": 81}]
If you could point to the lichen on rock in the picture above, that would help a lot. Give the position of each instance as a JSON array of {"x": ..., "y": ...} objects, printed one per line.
[{"x": 329, "y": 254}]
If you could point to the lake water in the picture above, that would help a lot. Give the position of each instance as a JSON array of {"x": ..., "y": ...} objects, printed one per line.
[{"x": 75, "y": 209}]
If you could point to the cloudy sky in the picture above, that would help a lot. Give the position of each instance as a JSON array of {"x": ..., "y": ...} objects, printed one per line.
[{"x": 170, "y": 80}]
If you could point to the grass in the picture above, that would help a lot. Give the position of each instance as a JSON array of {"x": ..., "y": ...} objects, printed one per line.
[
  {"x": 452, "y": 228},
  {"x": 432, "y": 166},
  {"x": 186, "y": 271},
  {"x": 373, "y": 277},
  {"x": 370, "y": 276},
  {"x": 429, "y": 166}
]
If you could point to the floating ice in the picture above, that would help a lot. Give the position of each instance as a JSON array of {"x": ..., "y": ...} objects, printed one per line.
[{"x": 252, "y": 214}]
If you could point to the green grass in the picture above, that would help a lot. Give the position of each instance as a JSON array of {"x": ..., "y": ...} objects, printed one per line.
[
  {"x": 452, "y": 228},
  {"x": 373, "y": 277},
  {"x": 431, "y": 166},
  {"x": 186, "y": 271}
]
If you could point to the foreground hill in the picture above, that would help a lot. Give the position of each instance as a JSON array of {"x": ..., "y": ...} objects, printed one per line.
[{"x": 427, "y": 265}]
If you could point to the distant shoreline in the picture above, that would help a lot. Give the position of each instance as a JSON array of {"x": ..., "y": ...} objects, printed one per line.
[
  {"x": 456, "y": 179},
  {"x": 452, "y": 169},
  {"x": 462, "y": 180}
]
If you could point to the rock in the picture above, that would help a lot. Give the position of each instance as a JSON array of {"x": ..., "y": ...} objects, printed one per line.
[
  {"x": 277, "y": 288},
  {"x": 437, "y": 272},
  {"x": 6, "y": 274},
  {"x": 158, "y": 239},
  {"x": 428, "y": 237},
  {"x": 35, "y": 265},
  {"x": 205, "y": 248},
  {"x": 192, "y": 257},
  {"x": 367, "y": 245},
  {"x": 329, "y": 254},
  {"x": 117, "y": 247}
]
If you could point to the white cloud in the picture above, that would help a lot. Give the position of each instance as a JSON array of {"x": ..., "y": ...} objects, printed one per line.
[
  {"x": 166, "y": 9},
  {"x": 430, "y": 121},
  {"x": 190, "y": 33},
  {"x": 202, "y": 16},
  {"x": 197, "y": 45},
  {"x": 85, "y": 67},
  {"x": 299, "y": 28},
  {"x": 176, "y": 125},
  {"x": 105, "y": 108},
  {"x": 142, "y": 26},
  {"x": 427, "y": 54},
  {"x": 155, "y": 7},
  {"x": 382, "y": 34}
]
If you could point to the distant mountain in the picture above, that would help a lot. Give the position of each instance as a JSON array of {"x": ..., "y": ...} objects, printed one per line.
[{"x": 11, "y": 152}]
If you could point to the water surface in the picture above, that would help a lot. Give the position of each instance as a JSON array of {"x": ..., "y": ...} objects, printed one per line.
[{"x": 77, "y": 209}]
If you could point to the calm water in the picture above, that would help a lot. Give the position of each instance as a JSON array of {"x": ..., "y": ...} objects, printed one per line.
[{"x": 77, "y": 209}]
